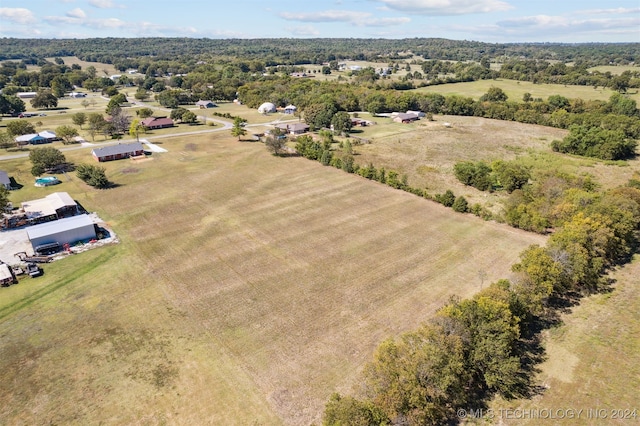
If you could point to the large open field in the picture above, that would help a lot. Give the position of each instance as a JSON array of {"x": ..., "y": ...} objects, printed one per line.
[
  {"x": 516, "y": 89},
  {"x": 246, "y": 288}
]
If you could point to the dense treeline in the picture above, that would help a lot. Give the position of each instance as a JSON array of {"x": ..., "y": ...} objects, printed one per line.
[{"x": 310, "y": 51}]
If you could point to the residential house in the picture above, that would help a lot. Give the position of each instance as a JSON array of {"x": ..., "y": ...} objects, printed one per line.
[
  {"x": 290, "y": 109},
  {"x": 117, "y": 152},
  {"x": 45, "y": 136},
  {"x": 405, "y": 118},
  {"x": 157, "y": 122},
  {"x": 293, "y": 129},
  {"x": 205, "y": 104}
]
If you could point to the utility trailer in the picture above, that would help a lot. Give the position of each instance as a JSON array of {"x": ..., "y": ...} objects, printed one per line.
[{"x": 32, "y": 259}]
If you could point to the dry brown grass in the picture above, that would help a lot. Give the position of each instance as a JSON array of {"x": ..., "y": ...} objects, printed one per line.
[{"x": 246, "y": 289}]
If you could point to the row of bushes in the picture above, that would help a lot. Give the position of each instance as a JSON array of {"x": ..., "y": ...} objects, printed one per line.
[{"x": 343, "y": 159}]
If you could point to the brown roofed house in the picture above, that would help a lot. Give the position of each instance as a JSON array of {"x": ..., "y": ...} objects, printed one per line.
[{"x": 157, "y": 122}]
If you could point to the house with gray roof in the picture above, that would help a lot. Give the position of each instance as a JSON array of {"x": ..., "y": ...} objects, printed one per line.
[
  {"x": 117, "y": 152},
  {"x": 46, "y": 136}
]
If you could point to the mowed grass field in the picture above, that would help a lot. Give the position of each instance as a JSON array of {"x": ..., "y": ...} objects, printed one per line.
[{"x": 246, "y": 289}]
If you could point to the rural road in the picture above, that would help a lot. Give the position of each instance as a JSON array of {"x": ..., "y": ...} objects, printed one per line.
[{"x": 225, "y": 125}]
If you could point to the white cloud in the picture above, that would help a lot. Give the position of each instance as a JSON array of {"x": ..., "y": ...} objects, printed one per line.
[
  {"x": 325, "y": 16},
  {"x": 104, "y": 4},
  {"x": 76, "y": 13},
  {"x": 386, "y": 22},
  {"x": 561, "y": 23},
  {"x": 362, "y": 19},
  {"x": 149, "y": 29},
  {"x": 540, "y": 27},
  {"x": 616, "y": 11},
  {"x": 447, "y": 7},
  {"x": 304, "y": 31},
  {"x": 91, "y": 23},
  {"x": 108, "y": 23},
  {"x": 17, "y": 15}
]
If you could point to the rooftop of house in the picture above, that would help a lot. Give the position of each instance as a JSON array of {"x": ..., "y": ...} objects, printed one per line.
[{"x": 121, "y": 148}]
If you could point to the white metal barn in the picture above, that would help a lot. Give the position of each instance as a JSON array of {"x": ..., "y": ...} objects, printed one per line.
[{"x": 68, "y": 230}]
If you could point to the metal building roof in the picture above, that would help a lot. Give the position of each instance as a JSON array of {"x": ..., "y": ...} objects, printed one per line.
[{"x": 57, "y": 226}]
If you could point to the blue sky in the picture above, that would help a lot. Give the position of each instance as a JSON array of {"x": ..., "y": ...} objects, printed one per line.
[{"x": 481, "y": 20}]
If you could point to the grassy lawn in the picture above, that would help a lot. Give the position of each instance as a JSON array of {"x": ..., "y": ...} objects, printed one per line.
[{"x": 246, "y": 288}]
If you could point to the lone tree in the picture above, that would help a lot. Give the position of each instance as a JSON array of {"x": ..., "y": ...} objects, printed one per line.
[
  {"x": 44, "y": 99},
  {"x": 115, "y": 102},
  {"x": 20, "y": 127},
  {"x": 93, "y": 175},
  {"x": 79, "y": 119},
  {"x": 11, "y": 105},
  {"x": 276, "y": 142},
  {"x": 238, "y": 129},
  {"x": 144, "y": 112},
  {"x": 189, "y": 117},
  {"x": 44, "y": 159},
  {"x": 134, "y": 129},
  {"x": 96, "y": 123},
  {"x": 67, "y": 133}
]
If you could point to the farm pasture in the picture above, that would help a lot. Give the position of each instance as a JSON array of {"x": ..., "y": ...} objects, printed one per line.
[{"x": 246, "y": 288}]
